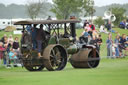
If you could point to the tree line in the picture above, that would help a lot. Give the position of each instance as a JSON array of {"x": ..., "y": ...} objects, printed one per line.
[{"x": 61, "y": 9}]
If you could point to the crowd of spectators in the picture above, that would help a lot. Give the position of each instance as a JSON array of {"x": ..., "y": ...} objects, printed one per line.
[
  {"x": 118, "y": 47},
  {"x": 124, "y": 24},
  {"x": 9, "y": 51},
  {"x": 91, "y": 36}
]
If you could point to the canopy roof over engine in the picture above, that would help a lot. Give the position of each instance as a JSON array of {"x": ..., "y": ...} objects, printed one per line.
[
  {"x": 27, "y": 22},
  {"x": 55, "y": 25}
]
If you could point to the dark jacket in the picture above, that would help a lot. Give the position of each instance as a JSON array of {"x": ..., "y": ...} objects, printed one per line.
[
  {"x": 40, "y": 34},
  {"x": 15, "y": 45}
]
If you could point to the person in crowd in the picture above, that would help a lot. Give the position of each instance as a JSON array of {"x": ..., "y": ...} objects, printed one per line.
[
  {"x": 118, "y": 34},
  {"x": 10, "y": 43},
  {"x": 16, "y": 44},
  {"x": 113, "y": 50},
  {"x": 3, "y": 38},
  {"x": 122, "y": 24},
  {"x": 123, "y": 44},
  {"x": 109, "y": 26},
  {"x": 16, "y": 47},
  {"x": 84, "y": 36},
  {"x": 127, "y": 41},
  {"x": 109, "y": 46},
  {"x": 94, "y": 42},
  {"x": 95, "y": 33},
  {"x": 85, "y": 33},
  {"x": 85, "y": 23},
  {"x": 102, "y": 29},
  {"x": 13, "y": 57},
  {"x": 88, "y": 29},
  {"x": 9, "y": 46},
  {"x": 126, "y": 25},
  {"x": 99, "y": 42},
  {"x": 89, "y": 39},
  {"x": 127, "y": 38},
  {"x": 116, "y": 41},
  {"x": 40, "y": 37},
  {"x": 92, "y": 26},
  {"x": 5, "y": 42},
  {"x": 5, "y": 46},
  {"x": 2, "y": 49},
  {"x": 10, "y": 38}
]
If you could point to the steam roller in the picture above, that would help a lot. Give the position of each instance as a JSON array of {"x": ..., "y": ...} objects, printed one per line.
[
  {"x": 56, "y": 47},
  {"x": 86, "y": 57}
]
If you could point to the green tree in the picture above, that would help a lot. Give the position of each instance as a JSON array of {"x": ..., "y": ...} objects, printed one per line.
[
  {"x": 99, "y": 21},
  {"x": 34, "y": 8},
  {"x": 88, "y": 6},
  {"x": 64, "y": 8},
  {"x": 119, "y": 14}
]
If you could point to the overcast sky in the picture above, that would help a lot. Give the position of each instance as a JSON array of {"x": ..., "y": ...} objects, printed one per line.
[{"x": 97, "y": 2}]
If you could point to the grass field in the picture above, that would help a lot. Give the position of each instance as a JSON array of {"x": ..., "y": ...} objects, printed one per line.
[{"x": 109, "y": 72}]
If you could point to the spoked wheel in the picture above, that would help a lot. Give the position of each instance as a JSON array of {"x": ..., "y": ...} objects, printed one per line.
[
  {"x": 55, "y": 57},
  {"x": 34, "y": 68}
]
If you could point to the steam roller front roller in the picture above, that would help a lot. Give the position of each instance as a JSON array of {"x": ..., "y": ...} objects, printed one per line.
[
  {"x": 55, "y": 57},
  {"x": 85, "y": 58}
]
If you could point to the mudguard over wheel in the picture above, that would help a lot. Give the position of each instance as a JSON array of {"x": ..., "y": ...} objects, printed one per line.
[{"x": 55, "y": 57}]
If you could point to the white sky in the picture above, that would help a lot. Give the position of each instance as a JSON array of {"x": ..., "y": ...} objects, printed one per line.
[{"x": 97, "y": 2}]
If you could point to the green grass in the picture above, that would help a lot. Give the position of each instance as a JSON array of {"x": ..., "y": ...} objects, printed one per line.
[{"x": 109, "y": 72}]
